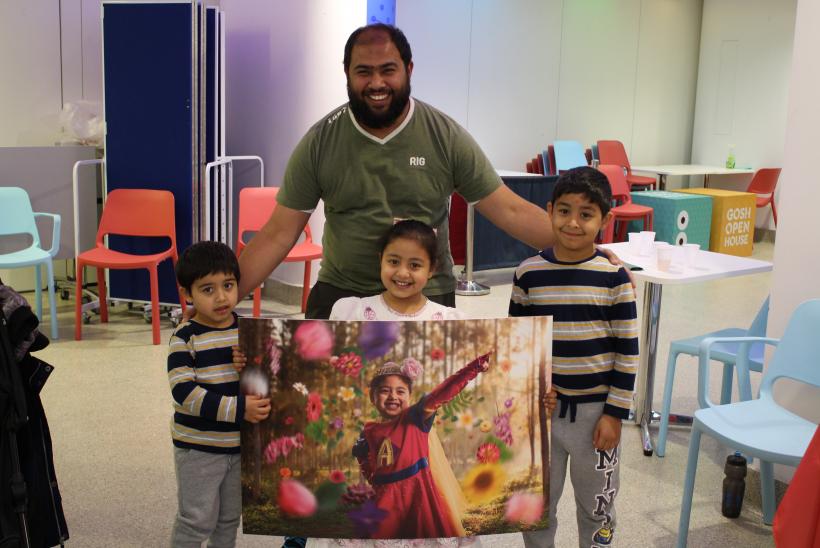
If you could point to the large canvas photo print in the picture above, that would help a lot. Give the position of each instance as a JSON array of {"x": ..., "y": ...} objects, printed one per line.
[{"x": 390, "y": 430}]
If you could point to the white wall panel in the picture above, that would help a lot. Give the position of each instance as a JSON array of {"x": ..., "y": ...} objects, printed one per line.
[
  {"x": 440, "y": 38},
  {"x": 599, "y": 51},
  {"x": 796, "y": 260},
  {"x": 284, "y": 71},
  {"x": 745, "y": 62},
  {"x": 665, "y": 82},
  {"x": 30, "y": 88},
  {"x": 532, "y": 71},
  {"x": 513, "y": 74}
]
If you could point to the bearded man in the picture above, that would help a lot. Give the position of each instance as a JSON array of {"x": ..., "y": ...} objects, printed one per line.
[{"x": 382, "y": 157}]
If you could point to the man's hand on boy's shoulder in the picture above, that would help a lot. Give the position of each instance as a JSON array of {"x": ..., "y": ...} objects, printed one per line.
[
  {"x": 190, "y": 312},
  {"x": 607, "y": 434},
  {"x": 257, "y": 408},
  {"x": 614, "y": 259}
]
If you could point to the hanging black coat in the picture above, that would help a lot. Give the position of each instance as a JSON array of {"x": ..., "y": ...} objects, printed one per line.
[{"x": 25, "y": 431}]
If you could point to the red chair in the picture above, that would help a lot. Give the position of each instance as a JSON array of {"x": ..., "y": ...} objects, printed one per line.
[
  {"x": 129, "y": 212},
  {"x": 764, "y": 182},
  {"x": 613, "y": 153},
  {"x": 548, "y": 159},
  {"x": 625, "y": 210},
  {"x": 539, "y": 164},
  {"x": 256, "y": 204}
]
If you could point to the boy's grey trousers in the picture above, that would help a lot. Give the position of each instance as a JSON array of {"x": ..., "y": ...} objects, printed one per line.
[{"x": 594, "y": 477}]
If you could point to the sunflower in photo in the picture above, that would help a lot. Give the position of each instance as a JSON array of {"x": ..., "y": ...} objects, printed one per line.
[{"x": 483, "y": 483}]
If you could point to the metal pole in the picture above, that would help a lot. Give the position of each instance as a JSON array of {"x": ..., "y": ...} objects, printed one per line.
[
  {"x": 646, "y": 370},
  {"x": 466, "y": 285}
]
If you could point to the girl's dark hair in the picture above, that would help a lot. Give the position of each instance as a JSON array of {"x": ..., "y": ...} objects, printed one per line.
[
  {"x": 588, "y": 181},
  {"x": 413, "y": 230},
  {"x": 204, "y": 258},
  {"x": 396, "y": 36}
]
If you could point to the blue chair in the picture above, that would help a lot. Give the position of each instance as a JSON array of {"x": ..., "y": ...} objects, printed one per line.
[
  {"x": 16, "y": 217},
  {"x": 568, "y": 154},
  {"x": 759, "y": 428},
  {"x": 722, "y": 352}
]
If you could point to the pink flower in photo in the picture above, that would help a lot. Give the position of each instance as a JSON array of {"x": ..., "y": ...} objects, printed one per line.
[
  {"x": 337, "y": 476},
  {"x": 357, "y": 494},
  {"x": 313, "y": 340},
  {"x": 509, "y": 403},
  {"x": 411, "y": 368},
  {"x": 314, "y": 407},
  {"x": 502, "y": 428},
  {"x": 524, "y": 508},
  {"x": 294, "y": 499},
  {"x": 337, "y": 423},
  {"x": 281, "y": 447},
  {"x": 437, "y": 354},
  {"x": 275, "y": 359},
  {"x": 488, "y": 453},
  {"x": 348, "y": 363}
]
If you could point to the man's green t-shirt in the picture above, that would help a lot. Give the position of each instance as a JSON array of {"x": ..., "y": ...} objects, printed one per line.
[{"x": 368, "y": 183}]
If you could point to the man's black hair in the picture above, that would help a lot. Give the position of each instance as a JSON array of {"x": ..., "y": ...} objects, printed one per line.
[
  {"x": 588, "y": 181},
  {"x": 396, "y": 36},
  {"x": 204, "y": 258}
]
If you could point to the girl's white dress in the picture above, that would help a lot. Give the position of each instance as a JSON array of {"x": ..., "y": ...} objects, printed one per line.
[{"x": 375, "y": 308}]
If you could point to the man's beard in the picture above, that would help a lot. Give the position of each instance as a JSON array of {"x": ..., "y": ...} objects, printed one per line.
[{"x": 366, "y": 117}]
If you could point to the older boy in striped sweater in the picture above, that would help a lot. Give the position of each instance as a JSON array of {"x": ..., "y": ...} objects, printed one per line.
[
  {"x": 208, "y": 408},
  {"x": 595, "y": 352}
]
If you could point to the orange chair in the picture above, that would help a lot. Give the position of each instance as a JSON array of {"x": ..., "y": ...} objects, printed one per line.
[
  {"x": 255, "y": 207},
  {"x": 613, "y": 153},
  {"x": 625, "y": 210},
  {"x": 129, "y": 212},
  {"x": 764, "y": 182}
]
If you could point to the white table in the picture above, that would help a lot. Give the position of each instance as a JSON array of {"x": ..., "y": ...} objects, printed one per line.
[
  {"x": 709, "y": 266},
  {"x": 683, "y": 170}
]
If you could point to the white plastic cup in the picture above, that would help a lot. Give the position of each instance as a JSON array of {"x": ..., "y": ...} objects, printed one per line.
[
  {"x": 665, "y": 254},
  {"x": 647, "y": 237},
  {"x": 635, "y": 241},
  {"x": 690, "y": 252}
]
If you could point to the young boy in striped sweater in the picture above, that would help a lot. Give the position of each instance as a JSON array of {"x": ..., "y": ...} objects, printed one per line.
[
  {"x": 208, "y": 407},
  {"x": 595, "y": 352}
]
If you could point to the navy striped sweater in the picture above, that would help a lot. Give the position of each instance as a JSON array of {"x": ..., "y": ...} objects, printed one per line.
[
  {"x": 595, "y": 326},
  {"x": 208, "y": 409}
]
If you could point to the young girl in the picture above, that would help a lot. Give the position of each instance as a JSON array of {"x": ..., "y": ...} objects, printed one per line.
[
  {"x": 408, "y": 260},
  {"x": 395, "y": 453}
]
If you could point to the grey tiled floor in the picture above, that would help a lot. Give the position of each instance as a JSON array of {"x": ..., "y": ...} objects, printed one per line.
[{"x": 108, "y": 405}]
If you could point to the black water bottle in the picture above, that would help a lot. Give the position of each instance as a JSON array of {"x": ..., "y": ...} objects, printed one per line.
[{"x": 734, "y": 485}]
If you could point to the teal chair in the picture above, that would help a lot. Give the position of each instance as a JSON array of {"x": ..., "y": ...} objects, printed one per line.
[
  {"x": 16, "y": 217},
  {"x": 568, "y": 154},
  {"x": 725, "y": 353},
  {"x": 758, "y": 428}
]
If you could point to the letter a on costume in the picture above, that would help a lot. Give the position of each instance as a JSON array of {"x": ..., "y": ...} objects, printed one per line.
[{"x": 385, "y": 455}]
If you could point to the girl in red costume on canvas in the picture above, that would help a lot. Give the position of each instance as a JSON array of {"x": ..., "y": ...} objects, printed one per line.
[{"x": 397, "y": 458}]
